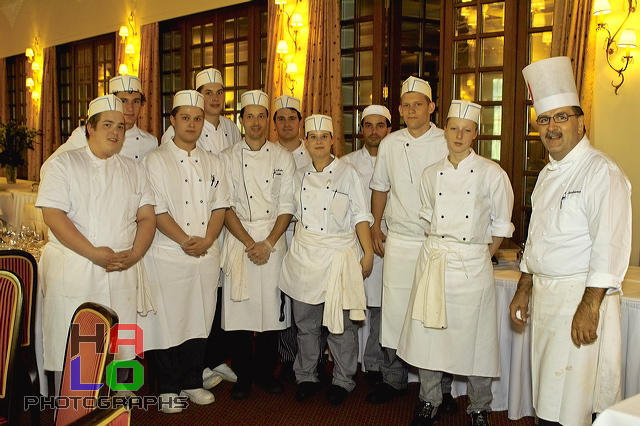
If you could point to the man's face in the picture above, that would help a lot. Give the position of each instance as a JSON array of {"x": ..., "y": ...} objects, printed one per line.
[
  {"x": 319, "y": 143},
  {"x": 287, "y": 124},
  {"x": 255, "y": 121},
  {"x": 131, "y": 105},
  {"x": 460, "y": 133},
  {"x": 560, "y": 138},
  {"x": 374, "y": 128},
  {"x": 416, "y": 110},
  {"x": 188, "y": 124},
  {"x": 213, "y": 98},
  {"x": 107, "y": 138}
]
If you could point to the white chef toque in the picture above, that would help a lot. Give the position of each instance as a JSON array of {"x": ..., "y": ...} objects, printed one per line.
[
  {"x": 414, "y": 84},
  {"x": 551, "y": 84},
  {"x": 376, "y": 109},
  {"x": 465, "y": 109},
  {"x": 255, "y": 97},
  {"x": 104, "y": 103},
  {"x": 125, "y": 83},
  {"x": 188, "y": 98},
  {"x": 210, "y": 75},
  {"x": 318, "y": 122},
  {"x": 286, "y": 101}
]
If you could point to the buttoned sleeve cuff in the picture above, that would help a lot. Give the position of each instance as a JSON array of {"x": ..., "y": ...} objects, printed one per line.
[
  {"x": 363, "y": 217},
  {"x": 603, "y": 280},
  {"x": 502, "y": 229}
]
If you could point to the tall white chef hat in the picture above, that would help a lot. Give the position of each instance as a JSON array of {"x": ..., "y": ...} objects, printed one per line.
[
  {"x": 318, "y": 122},
  {"x": 104, "y": 103},
  {"x": 376, "y": 109},
  {"x": 125, "y": 83},
  {"x": 551, "y": 84},
  {"x": 465, "y": 109},
  {"x": 188, "y": 98},
  {"x": 414, "y": 84},
  {"x": 255, "y": 97},
  {"x": 210, "y": 75},
  {"x": 286, "y": 101}
]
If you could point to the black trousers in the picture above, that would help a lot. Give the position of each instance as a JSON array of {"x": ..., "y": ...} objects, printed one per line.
[
  {"x": 180, "y": 367},
  {"x": 254, "y": 358},
  {"x": 218, "y": 344}
]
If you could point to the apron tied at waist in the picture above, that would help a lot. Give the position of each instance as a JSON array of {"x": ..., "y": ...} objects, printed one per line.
[
  {"x": 233, "y": 260},
  {"x": 430, "y": 304},
  {"x": 345, "y": 285}
]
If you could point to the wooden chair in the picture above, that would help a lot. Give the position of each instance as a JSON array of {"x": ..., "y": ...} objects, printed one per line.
[
  {"x": 11, "y": 303},
  {"x": 89, "y": 319},
  {"x": 120, "y": 416},
  {"x": 25, "y": 267}
]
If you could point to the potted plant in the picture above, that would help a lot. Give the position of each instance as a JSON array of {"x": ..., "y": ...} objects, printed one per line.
[{"x": 15, "y": 139}]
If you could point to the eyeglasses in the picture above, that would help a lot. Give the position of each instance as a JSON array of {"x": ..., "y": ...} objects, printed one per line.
[{"x": 558, "y": 118}]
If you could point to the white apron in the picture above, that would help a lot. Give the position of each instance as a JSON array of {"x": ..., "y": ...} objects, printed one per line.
[
  {"x": 469, "y": 344},
  {"x": 258, "y": 300},
  {"x": 400, "y": 256},
  {"x": 373, "y": 283},
  {"x": 570, "y": 383},
  {"x": 332, "y": 275},
  {"x": 72, "y": 280},
  {"x": 185, "y": 294}
]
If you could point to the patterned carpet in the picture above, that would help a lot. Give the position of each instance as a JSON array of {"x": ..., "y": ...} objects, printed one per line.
[{"x": 265, "y": 409}]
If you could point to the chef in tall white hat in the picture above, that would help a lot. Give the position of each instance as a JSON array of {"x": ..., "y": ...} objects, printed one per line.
[
  {"x": 98, "y": 206},
  {"x": 467, "y": 202},
  {"x": 260, "y": 174},
  {"x": 402, "y": 156},
  {"x": 287, "y": 118},
  {"x": 183, "y": 262},
  {"x": 575, "y": 258},
  {"x": 324, "y": 268},
  {"x": 375, "y": 124},
  {"x": 218, "y": 132},
  {"x": 137, "y": 142}
]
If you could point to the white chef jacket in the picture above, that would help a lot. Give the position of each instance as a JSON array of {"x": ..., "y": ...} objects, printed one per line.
[
  {"x": 300, "y": 155},
  {"x": 137, "y": 143},
  {"x": 187, "y": 186},
  {"x": 364, "y": 164},
  {"x": 330, "y": 202},
  {"x": 101, "y": 198},
  {"x": 401, "y": 160},
  {"x": 579, "y": 236},
  {"x": 581, "y": 216},
  {"x": 212, "y": 139},
  {"x": 261, "y": 185},
  {"x": 464, "y": 209}
]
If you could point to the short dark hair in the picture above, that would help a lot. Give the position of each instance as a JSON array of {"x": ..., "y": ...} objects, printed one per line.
[
  {"x": 242, "y": 111},
  {"x": 577, "y": 110},
  {"x": 93, "y": 121},
  {"x": 143, "y": 98},
  {"x": 292, "y": 109}
]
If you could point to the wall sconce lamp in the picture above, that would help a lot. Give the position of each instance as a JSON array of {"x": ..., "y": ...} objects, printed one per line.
[
  {"x": 30, "y": 83},
  {"x": 290, "y": 73},
  {"x": 123, "y": 69},
  {"x": 35, "y": 96},
  {"x": 282, "y": 47},
  {"x": 627, "y": 38},
  {"x": 123, "y": 33},
  {"x": 29, "y": 53},
  {"x": 35, "y": 66}
]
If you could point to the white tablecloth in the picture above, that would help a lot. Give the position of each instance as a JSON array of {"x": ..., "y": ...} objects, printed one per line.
[
  {"x": 631, "y": 334},
  {"x": 14, "y": 198},
  {"x": 624, "y": 413}
]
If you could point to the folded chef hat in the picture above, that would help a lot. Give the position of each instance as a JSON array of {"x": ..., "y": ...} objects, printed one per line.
[
  {"x": 414, "y": 84},
  {"x": 104, "y": 103},
  {"x": 188, "y": 98},
  {"x": 318, "y": 122}
]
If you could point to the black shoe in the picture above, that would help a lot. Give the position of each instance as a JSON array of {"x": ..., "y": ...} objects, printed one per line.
[
  {"x": 479, "y": 418},
  {"x": 426, "y": 414},
  {"x": 384, "y": 393},
  {"x": 241, "y": 389},
  {"x": 271, "y": 385},
  {"x": 306, "y": 390},
  {"x": 336, "y": 394},
  {"x": 373, "y": 378},
  {"x": 286, "y": 372},
  {"x": 449, "y": 405}
]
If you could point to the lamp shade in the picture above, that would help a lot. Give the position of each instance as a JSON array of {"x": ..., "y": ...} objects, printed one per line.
[
  {"x": 29, "y": 53},
  {"x": 296, "y": 20},
  {"x": 282, "y": 47},
  {"x": 30, "y": 82},
  {"x": 35, "y": 96},
  {"x": 123, "y": 69},
  {"x": 292, "y": 68},
  {"x": 129, "y": 49},
  {"x": 628, "y": 38},
  {"x": 601, "y": 7},
  {"x": 35, "y": 66},
  {"x": 124, "y": 31}
]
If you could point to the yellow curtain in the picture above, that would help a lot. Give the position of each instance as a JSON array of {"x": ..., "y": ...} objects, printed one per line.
[
  {"x": 49, "y": 120},
  {"x": 273, "y": 86},
  {"x": 323, "y": 81},
  {"x": 574, "y": 35},
  {"x": 150, "y": 118}
]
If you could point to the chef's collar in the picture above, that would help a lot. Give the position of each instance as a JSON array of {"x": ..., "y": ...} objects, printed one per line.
[
  {"x": 426, "y": 134},
  {"x": 462, "y": 164},
  {"x": 264, "y": 146},
  {"x": 93, "y": 157},
  {"x": 572, "y": 156},
  {"x": 329, "y": 167},
  {"x": 181, "y": 152}
]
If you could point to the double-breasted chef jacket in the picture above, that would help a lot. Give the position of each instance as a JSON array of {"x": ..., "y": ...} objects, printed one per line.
[
  {"x": 399, "y": 165},
  {"x": 188, "y": 187},
  {"x": 102, "y": 199},
  {"x": 212, "y": 139},
  {"x": 261, "y": 184},
  {"x": 464, "y": 208}
]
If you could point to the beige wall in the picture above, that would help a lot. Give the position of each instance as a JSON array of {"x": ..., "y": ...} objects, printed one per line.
[
  {"x": 62, "y": 21},
  {"x": 613, "y": 130}
]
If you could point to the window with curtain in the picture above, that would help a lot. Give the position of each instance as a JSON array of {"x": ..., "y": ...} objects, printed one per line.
[
  {"x": 491, "y": 41},
  {"x": 16, "y": 88},
  {"x": 232, "y": 40},
  {"x": 380, "y": 47},
  {"x": 84, "y": 70}
]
